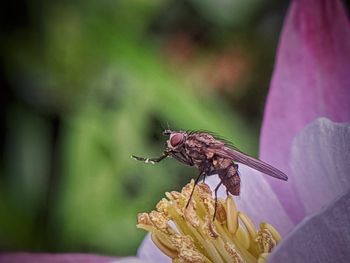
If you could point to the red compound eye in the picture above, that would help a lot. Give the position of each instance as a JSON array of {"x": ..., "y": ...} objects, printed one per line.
[{"x": 176, "y": 139}]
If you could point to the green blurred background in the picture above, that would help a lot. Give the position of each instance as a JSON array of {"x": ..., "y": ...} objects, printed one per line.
[{"x": 84, "y": 84}]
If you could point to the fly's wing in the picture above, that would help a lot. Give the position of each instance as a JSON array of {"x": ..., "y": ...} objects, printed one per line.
[
  {"x": 243, "y": 158},
  {"x": 224, "y": 149}
]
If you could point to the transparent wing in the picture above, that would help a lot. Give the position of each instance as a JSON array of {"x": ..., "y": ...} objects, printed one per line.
[
  {"x": 225, "y": 149},
  {"x": 238, "y": 156}
]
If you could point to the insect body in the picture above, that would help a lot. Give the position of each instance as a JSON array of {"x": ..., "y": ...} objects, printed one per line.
[{"x": 211, "y": 155}]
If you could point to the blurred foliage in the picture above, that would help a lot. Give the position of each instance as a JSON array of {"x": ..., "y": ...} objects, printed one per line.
[{"x": 87, "y": 83}]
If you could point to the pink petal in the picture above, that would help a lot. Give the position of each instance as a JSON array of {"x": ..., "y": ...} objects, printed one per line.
[
  {"x": 322, "y": 238},
  {"x": 311, "y": 79},
  {"x": 321, "y": 161},
  {"x": 25, "y": 257},
  {"x": 129, "y": 260}
]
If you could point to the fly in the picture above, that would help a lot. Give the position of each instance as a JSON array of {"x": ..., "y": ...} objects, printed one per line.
[{"x": 211, "y": 155}]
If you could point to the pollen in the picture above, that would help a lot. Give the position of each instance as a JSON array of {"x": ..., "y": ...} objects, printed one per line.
[{"x": 189, "y": 234}]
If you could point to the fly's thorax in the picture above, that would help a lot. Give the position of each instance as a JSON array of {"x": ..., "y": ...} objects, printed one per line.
[
  {"x": 221, "y": 163},
  {"x": 198, "y": 163}
]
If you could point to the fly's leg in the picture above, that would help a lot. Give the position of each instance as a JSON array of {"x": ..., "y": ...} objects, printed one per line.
[
  {"x": 195, "y": 183},
  {"x": 151, "y": 160},
  {"x": 202, "y": 172},
  {"x": 209, "y": 171},
  {"x": 216, "y": 198}
]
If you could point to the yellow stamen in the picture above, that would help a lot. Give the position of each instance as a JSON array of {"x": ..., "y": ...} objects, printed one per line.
[
  {"x": 248, "y": 224},
  {"x": 233, "y": 252},
  {"x": 243, "y": 237},
  {"x": 265, "y": 241},
  {"x": 165, "y": 249},
  {"x": 263, "y": 257},
  {"x": 231, "y": 237},
  {"x": 232, "y": 215},
  {"x": 276, "y": 236}
]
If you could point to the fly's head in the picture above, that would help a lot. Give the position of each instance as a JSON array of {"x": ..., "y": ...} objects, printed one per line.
[{"x": 176, "y": 140}]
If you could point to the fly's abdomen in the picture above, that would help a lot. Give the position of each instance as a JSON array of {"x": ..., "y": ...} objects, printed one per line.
[{"x": 231, "y": 180}]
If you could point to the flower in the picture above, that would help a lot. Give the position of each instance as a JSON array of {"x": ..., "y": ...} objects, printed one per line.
[
  {"x": 231, "y": 237},
  {"x": 311, "y": 79},
  {"x": 309, "y": 92},
  {"x": 324, "y": 237}
]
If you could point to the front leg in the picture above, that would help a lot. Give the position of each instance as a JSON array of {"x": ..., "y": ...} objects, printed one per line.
[{"x": 151, "y": 160}]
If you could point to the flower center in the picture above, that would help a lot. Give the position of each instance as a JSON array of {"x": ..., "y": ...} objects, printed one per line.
[{"x": 231, "y": 237}]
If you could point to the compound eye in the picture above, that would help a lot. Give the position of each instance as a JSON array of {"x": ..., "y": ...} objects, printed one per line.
[{"x": 176, "y": 139}]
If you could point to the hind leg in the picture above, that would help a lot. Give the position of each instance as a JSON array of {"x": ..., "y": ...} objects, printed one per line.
[{"x": 216, "y": 199}]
